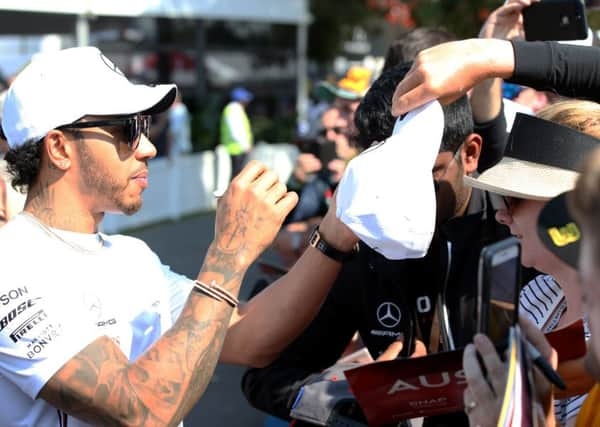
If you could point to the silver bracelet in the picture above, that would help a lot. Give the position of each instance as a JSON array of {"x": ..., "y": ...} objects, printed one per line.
[{"x": 216, "y": 292}]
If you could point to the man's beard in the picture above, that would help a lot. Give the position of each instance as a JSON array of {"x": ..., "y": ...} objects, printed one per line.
[{"x": 96, "y": 179}]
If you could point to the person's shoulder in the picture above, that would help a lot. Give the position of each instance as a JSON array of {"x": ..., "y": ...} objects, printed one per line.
[
  {"x": 136, "y": 249},
  {"x": 126, "y": 241},
  {"x": 541, "y": 282},
  {"x": 15, "y": 232},
  {"x": 19, "y": 243}
]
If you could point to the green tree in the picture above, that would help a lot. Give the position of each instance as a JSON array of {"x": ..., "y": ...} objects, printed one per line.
[
  {"x": 333, "y": 22},
  {"x": 464, "y": 18}
]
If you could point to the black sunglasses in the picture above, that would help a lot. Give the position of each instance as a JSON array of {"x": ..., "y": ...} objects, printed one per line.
[
  {"x": 511, "y": 202},
  {"x": 133, "y": 127}
]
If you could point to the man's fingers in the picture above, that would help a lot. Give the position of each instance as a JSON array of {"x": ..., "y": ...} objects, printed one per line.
[
  {"x": 469, "y": 400},
  {"x": 538, "y": 340},
  {"x": 250, "y": 173},
  {"x": 265, "y": 181},
  {"x": 511, "y": 8},
  {"x": 420, "y": 349},
  {"x": 287, "y": 203},
  {"x": 276, "y": 192},
  {"x": 474, "y": 375},
  {"x": 392, "y": 351},
  {"x": 496, "y": 371},
  {"x": 408, "y": 93}
]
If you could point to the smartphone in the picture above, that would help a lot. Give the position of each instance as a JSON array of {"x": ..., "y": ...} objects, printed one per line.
[
  {"x": 499, "y": 284},
  {"x": 555, "y": 20}
]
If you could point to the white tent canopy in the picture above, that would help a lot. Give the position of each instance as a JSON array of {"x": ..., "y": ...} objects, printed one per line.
[
  {"x": 291, "y": 12},
  {"x": 273, "y": 11}
]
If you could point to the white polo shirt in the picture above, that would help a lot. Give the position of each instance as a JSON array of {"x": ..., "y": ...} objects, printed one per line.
[{"x": 58, "y": 297}]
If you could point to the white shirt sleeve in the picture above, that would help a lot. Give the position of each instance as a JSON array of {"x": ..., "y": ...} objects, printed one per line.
[{"x": 179, "y": 289}]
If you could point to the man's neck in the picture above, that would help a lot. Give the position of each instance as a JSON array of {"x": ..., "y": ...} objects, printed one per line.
[
  {"x": 57, "y": 208},
  {"x": 465, "y": 204}
]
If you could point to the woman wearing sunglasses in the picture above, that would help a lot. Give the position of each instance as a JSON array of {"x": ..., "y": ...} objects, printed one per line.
[{"x": 532, "y": 172}]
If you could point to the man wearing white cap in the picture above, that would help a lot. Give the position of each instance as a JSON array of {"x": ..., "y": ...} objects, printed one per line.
[{"x": 94, "y": 330}]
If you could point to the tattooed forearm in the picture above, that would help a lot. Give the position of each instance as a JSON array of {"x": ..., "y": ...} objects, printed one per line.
[
  {"x": 101, "y": 387},
  {"x": 238, "y": 244},
  {"x": 225, "y": 267}
]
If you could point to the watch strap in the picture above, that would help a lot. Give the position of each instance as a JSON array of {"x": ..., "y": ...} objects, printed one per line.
[{"x": 316, "y": 241}]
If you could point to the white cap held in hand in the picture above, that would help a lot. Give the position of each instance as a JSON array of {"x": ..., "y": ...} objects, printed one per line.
[{"x": 386, "y": 195}]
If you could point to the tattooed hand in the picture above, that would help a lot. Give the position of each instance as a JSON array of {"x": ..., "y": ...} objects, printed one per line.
[{"x": 251, "y": 212}]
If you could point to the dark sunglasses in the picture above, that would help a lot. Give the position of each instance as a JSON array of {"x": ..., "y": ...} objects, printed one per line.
[
  {"x": 511, "y": 202},
  {"x": 133, "y": 127}
]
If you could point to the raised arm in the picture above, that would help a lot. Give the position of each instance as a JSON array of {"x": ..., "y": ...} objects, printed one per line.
[
  {"x": 274, "y": 388},
  {"x": 284, "y": 309},
  {"x": 447, "y": 71},
  {"x": 100, "y": 386},
  {"x": 504, "y": 23},
  {"x": 437, "y": 73}
]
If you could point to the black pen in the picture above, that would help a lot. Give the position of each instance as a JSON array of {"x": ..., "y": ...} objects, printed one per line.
[{"x": 541, "y": 362}]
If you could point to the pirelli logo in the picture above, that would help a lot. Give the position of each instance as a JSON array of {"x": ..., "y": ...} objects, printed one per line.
[
  {"x": 24, "y": 328},
  {"x": 563, "y": 236}
]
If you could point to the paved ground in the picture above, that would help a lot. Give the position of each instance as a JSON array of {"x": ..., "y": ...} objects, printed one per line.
[{"x": 182, "y": 245}]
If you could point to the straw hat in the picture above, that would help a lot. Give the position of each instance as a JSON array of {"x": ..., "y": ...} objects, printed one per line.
[{"x": 541, "y": 160}]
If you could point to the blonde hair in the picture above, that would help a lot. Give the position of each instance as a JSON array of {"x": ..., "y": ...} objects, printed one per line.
[
  {"x": 584, "y": 201},
  {"x": 583, "y": 116}
]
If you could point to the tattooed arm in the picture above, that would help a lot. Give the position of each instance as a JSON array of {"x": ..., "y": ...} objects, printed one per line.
[
  {"x": 100, "y": 386},
  {"x": 285, "y": 308}
]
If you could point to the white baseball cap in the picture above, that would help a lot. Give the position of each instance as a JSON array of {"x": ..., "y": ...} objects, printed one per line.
[
  {"x": 386, "y": 196},
  {"x": 61, "y": 87}
]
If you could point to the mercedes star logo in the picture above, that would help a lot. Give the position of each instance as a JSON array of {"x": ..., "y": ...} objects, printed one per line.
[{"x": 389, "y": 314}]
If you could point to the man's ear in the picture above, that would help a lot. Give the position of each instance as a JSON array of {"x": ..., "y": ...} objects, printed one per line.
[
  {"x": 59, "y": 150},
  {"x": 471, "y": 150}
]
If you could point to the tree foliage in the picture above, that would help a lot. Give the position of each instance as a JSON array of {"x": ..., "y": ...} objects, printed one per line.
[
  {"x": 463, "y": 18},
  {"x": 333, "y": 20}
]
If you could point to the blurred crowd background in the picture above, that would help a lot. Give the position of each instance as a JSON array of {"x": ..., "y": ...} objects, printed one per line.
[
  {"x": 272, "y": 56},
  {"x": 277, "y": 50}
]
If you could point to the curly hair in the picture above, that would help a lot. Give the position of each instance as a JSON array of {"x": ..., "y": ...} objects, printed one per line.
[{"x": 23, "y": 163}]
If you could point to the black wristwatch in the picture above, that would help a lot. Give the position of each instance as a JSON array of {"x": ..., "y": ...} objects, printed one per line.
[{"x": 317, "y": 242}]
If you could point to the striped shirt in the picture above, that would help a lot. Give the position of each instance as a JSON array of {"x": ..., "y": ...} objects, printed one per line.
[{"x": 543, "y": 302}]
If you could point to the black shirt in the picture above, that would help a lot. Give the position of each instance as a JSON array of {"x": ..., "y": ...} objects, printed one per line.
[
  {"x": 567, "y": 70},
  {"x": 371, "y": 286}
]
